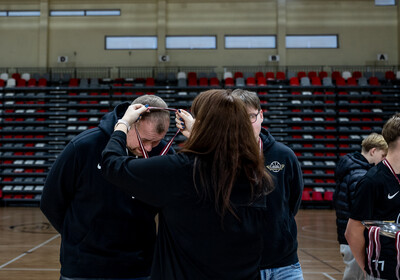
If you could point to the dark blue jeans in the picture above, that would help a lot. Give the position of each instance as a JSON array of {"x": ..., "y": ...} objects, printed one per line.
[{"x": 290, "y": 272}]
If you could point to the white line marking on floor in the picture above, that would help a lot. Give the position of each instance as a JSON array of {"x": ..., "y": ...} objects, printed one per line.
[
  {"x": 31, "y": 269},
  {"x": 314, "y": 238},
  {"x": 327, "y": 276},
  {"x": 30, "y": 251}
]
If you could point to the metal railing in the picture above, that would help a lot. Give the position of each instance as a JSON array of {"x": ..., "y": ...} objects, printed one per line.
[{"x": 147, "y": 71}]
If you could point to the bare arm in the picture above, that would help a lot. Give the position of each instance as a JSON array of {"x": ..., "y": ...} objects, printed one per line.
[{"x": 355, "y": 237}]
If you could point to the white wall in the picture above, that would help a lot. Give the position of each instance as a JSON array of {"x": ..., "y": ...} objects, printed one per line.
[{"x": 364, "y": 30}]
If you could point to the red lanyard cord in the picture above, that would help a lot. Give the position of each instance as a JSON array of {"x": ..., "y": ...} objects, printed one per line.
[
  {"x": 165, "y": 109},
  {"x": 386, "y": 162},
  {"x": 169, "y": 144}
]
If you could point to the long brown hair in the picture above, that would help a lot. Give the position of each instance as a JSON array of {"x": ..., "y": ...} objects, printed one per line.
[{"x": 223, "y": 141}]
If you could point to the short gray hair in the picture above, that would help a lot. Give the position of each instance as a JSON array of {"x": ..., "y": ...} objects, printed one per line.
[
  {"x": 160, "y": 117},
  {"x": 250, "y": 98}
]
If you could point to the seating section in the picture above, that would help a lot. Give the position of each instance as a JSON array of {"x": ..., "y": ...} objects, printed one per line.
[{"x": 319, "y": 115}]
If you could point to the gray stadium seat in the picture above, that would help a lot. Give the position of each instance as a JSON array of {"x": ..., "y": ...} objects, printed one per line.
[
  {"x": 305, "y": 81},
  {"x": 367, "y": 74},
  {"x": 327, "y": 81},
  {"x": 182, "y": 82},
  {"x": 362, "y": 81},
  {"x": 239, "y": 82}
]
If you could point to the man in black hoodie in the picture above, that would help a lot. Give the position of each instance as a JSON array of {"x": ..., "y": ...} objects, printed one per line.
[
  {"x": 105, "y": 233},
  {"x": 349, "y": 171},
  {"x": 279, "y": 260}
]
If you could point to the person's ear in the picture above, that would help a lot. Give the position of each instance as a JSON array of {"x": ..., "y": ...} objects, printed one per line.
[
  {"x": 261, "y": 114},
  {"x": 372, "y": 152}
]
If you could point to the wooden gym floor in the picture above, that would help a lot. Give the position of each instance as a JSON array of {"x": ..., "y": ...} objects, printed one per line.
[{"x": 29, "y": 246}]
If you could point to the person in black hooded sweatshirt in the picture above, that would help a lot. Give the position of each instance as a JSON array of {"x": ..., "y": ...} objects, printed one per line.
[
  {"x": 280, "y": 260},
  {"x": 105, "y": 233},
  {"x": 279, "y": 230},
  {"x": 349, "y": 171}
]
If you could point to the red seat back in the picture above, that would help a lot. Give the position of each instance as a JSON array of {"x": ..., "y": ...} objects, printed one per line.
[
  {"x": 229, "y": 82},
  {"x": 214, "y": 82},
  {"x": 270, "y": 76},
  {"x": 294, "y": 81}
]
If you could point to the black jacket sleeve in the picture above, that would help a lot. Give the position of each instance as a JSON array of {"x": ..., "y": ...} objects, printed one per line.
[
  {"x": 59, "y": 187},
  {"x": 352, "y": 179},
  {"x": 296, "y": 186},
  {"x": 150, "y": 180}
]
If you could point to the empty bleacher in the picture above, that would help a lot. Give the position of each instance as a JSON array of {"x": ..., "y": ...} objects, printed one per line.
[{"x": 321, "y": 121}]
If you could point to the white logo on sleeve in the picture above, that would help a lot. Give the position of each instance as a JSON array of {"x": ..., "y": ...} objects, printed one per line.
[
  {"x": 391, "y": 196},
  {"x": 98, "y": 166}
]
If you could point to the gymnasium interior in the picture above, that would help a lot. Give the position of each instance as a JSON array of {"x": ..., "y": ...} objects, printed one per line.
[{"x": 326, "y": 71}]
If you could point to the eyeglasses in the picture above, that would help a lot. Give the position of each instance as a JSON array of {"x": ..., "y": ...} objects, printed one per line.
[{"x": 253, "y": 117}]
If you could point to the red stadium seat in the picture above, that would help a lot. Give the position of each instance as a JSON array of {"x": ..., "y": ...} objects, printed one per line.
[
  {"x": 316, "y": 81},
  {"x": 389, "y": 75},
  {"x": 357, "y": 75},
  {"x": 42, "y": 82},
  {"x": 32, "y": 83},
  {"x": 259, "y": 74},
  {"x": 214, "y": 82},
  {"x": 312, "y": 74},
  {"x": 261, "y": 81},
  {"x": 192, "y": 75},
  {"x": 294, "y": 81},
  {"x": 306, "y": 196},
  {"x": 301, "y": 74},
  {"x": 336, "y": 74},
  {"x": 230, "y": 82},
  {"x": 238, "y": 75},
  {"x": 203, "y": 82},
  {"x": 373, "y": 81},
  {"x": 340, "y": 81},
  {"x": 16, "y": 76},
  {"x": 316, "y": 196},
  {"x": 352, "y": 81},
  {"x": 192, "y": 82},
  {"x": 251, "y": 81},
  {"x": 270, "y": 76},
  {"x": 150, "y": 82},
  {"x": 73, "y": 82},
  {"x": 280, "y": 76},
  {"x": 322, "y": 74},
  {"x": 21, "y": 83}
]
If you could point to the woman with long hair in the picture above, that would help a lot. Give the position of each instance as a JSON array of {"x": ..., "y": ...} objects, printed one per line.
[{"x": 211, "y": 195}]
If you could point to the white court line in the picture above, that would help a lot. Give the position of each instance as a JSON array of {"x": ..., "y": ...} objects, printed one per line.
[
  {"x": 313, "y": 230},
  {"x": 31, "y": 269},
  {"x": 314, "y": 238},
  {"x": 30, "y": 251},
  {"x": 327, "y": 276}
]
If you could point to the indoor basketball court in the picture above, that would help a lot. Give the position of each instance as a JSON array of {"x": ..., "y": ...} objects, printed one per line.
[
  {"x": 30, "y": 246},
  {"x": 326, "y": 73}
]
